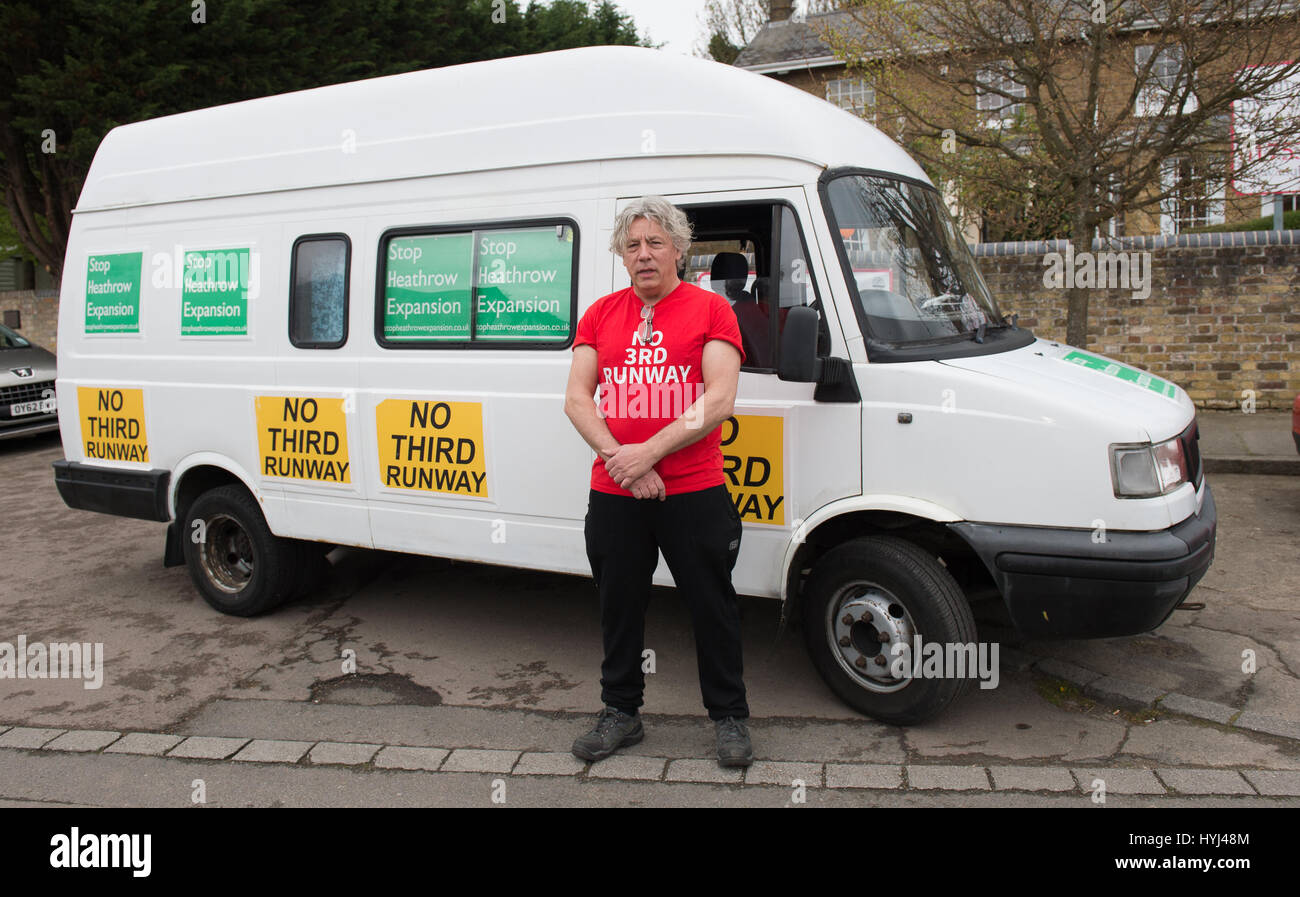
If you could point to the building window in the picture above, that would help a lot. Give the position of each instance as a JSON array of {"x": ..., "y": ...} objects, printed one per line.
[
  {"x": 1113, "y": 226},
  {"x": 994, "y": 88},
  {"x": 1290, "y": 202},
  {"x": 1165, "y": 69},
  {"x": 1167, "y": 76},
  {"x": 1195, "y": 189},
  {"x": 853, "y": 95}
]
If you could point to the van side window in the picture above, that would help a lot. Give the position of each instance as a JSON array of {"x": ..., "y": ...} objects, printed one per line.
[
  {"x": 318, "y": 296},
  {"x": 752, "y": 255},
  {"x": 490, "y": 286}
]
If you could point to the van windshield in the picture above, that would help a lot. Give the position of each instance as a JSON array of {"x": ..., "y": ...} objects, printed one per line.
[{"x": 915, "y": 277}]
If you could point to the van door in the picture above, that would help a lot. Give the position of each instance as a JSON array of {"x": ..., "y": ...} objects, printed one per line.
[
  {"x": 308, "y": 428},
  {"x": 463, "y": 389},
  {"x": 784, "y": 454}
]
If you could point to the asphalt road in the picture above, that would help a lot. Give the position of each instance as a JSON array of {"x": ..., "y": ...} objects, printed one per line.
[{"x": 489, "y": 674}]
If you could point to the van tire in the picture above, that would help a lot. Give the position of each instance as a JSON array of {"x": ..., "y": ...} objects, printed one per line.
[
  {"x": 869, "y": 581},
  {"x": 241, "y": 567}
]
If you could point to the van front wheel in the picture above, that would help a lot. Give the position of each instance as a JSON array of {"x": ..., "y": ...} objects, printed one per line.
[
  {"x": 866, "y": 601},
  {"x": 238, "y": 565}
]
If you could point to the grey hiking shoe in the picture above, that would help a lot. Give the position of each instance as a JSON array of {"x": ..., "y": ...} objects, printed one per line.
[
  {"x": 614, "y": 729},
  {"x": 734, "y": 747}
]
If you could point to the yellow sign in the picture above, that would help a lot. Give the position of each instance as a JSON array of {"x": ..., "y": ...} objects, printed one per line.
[
  {"x": 112, "y": 424},
  {"x": 432, "y": 446},
  {"x": 752, "y": 449},
  {"x": 303, "y": 438}
]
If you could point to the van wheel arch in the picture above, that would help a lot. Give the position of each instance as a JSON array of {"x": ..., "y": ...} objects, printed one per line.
[
  {"x": 236, "y": 563},
  {"x": 185, "y": 489},
  {"x": 197, "y": 480},
  {"x": 934, "y": 537}
]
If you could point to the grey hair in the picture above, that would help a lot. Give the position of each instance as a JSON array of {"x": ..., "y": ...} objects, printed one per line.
[{"x": 659, "y": 210}]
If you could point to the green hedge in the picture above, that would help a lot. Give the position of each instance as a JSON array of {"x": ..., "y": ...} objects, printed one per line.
[{"x": 1290, "y": 221}]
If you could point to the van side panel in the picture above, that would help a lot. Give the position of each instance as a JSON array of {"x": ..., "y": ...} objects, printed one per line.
[{"x": 221, "y": 398}]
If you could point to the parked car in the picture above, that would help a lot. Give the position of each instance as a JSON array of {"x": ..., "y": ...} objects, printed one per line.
[
  {"x": 1295, "y": 423},
  {"x": 27, "y": 402}
]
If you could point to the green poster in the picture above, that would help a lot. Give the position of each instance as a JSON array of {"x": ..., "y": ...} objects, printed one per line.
[
  {"x": 427, "y": 287},
  {"x": 214, "y": 293},
  {"x": 524, "y": 283},
  {"x": 113, "y": 293},
  {"x": 1123, "y": 372}
]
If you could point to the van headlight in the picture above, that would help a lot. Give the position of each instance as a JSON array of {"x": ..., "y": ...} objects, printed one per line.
[{"x": 1146, "y": 470}]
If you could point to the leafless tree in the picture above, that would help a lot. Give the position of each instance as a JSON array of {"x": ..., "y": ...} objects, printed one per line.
[{"x": 1060, "y": 115}]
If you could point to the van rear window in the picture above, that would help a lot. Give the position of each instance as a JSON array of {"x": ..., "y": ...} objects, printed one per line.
[{"x": 507, "y": 284}]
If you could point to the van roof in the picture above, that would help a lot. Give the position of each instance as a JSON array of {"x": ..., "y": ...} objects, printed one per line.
[{"x": 550, "y": 108}]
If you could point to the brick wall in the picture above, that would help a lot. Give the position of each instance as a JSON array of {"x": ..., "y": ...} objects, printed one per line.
[
  {"x": 1223, "y": 315},
  {"x": 40, "y": 314}
]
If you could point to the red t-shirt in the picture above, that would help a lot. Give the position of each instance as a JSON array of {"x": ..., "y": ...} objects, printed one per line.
[{"x": 644, "y": 388}]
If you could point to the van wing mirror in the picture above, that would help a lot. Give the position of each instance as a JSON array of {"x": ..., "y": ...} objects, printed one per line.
[{"x": 799, "y": 361}]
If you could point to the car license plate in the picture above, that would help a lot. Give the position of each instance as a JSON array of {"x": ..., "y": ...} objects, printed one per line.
[{"x": 44, "y": 406}]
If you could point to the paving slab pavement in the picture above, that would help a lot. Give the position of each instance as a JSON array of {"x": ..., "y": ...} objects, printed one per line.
[
  {"x": 1181, "y": 699},
  {"x": 24, "y": 769},
  {"x": 1237, "y": 442}
]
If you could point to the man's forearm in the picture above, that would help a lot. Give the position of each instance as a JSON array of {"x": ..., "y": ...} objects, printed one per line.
[
  {"x": 590, "y": 425},
  {"x": 698, "y": 421}
]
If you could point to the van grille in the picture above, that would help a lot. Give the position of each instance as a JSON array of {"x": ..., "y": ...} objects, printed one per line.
[
  {"x": 25, "y": 392},
  {"x": 1191, "y": 440}
]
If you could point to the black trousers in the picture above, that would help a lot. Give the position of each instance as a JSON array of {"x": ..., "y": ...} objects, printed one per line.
[{"x": 699, "y": 535}]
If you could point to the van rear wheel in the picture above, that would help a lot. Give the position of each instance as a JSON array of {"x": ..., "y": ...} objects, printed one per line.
[
  {"x": 867, "y": 596},
  {"x": 238, "y": 565}
]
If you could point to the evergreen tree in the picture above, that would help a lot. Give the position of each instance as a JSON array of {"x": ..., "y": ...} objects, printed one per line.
[{"x": 70, "y": 71}]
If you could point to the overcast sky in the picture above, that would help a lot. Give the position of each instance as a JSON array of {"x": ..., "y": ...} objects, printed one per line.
[{"x": 673, "y": 23}]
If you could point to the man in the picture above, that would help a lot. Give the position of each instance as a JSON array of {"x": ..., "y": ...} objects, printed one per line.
[{"x": 667, "y": 358}]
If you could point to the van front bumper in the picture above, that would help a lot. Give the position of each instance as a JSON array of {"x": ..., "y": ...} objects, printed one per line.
[{"x": 1059, "y": 583}]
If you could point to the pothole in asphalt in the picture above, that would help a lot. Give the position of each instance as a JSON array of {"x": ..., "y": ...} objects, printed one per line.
[{"x": 373, "y": 689}]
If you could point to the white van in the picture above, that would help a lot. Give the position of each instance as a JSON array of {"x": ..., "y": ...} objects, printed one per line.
[{"x": 343, "y": 317}]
